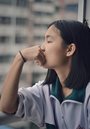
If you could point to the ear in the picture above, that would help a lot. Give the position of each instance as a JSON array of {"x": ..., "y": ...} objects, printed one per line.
[{"x": 70, "y": 50}]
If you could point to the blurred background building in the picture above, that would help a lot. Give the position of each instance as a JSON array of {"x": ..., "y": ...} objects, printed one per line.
[{"x": 14, "y": 33}]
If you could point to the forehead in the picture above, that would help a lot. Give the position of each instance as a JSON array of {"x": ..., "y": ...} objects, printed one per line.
[{"x": 53, "y": 31}]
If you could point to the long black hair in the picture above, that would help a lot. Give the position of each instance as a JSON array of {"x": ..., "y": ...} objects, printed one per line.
[{"x": 79, "y": 34}]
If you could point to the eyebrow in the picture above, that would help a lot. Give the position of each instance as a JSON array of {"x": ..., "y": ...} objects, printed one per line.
[{"x": 47, "y": 36}]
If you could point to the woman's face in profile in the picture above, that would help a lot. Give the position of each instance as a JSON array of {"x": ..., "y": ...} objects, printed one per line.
[{"x": 55, "y": 51}]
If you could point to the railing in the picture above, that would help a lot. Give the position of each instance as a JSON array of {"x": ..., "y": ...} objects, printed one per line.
[
  {"x": 15, "y": 123},
  {"x": 6, "y": 119}
]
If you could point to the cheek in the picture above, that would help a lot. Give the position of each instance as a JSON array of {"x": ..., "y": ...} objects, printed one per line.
[{"x": 54, "y": 56}]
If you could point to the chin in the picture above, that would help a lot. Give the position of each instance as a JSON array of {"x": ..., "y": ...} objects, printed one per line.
[{"x": 47, "y": 66}]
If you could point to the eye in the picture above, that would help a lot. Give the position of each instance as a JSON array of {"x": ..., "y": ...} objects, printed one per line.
[{"x": 49, "y": 41}]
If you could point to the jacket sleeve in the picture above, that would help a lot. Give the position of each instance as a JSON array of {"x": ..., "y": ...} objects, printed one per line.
[
  {"x": 30, "y": 105},
  {"x": 88, "y": 112}
]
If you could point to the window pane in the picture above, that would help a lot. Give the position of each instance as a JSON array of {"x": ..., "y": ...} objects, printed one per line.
[
  {"x": 22, "y": 3},
  {"x": 39, "y": 13},
  {"x": 21, "y": 21},
  {"x": 4, "y": 39},
  {"x": 47, "y": 1},
  {"x": 5, "y": 20},
  {"x": 5, "y": 58},
  {"x": 72, "y": 7},
  {"x": 20, "y": 39},
  {"x": 6, "y": 2}
]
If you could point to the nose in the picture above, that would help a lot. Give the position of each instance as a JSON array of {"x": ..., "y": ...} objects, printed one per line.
[{"x": 43, "y": 47}]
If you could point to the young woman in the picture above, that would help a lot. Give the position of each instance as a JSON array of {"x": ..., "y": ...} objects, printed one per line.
[{"x": 62, "y": 100}]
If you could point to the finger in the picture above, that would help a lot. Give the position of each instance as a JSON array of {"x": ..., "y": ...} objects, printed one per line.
[
  {"x": 42, "y": 58},
  {"x": 41, "y": 49}
]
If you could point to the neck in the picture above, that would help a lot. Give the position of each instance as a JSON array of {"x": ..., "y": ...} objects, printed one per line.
[{"x": 63, "y": 72}]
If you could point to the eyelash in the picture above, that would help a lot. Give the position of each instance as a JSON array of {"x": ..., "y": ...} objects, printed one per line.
[{"x": 49, "y": 41}]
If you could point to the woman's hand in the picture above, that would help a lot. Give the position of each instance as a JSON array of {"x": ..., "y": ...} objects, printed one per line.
[
  {"x": 34, "y": 53},
  {"x": 11, "y": 83}
]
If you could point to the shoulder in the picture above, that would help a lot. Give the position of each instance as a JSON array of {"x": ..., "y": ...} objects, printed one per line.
[
  {"x": 43, "y": 88},
  {"x": 87, "y": 94},
  {"x": 88, "y": 90},
  {"x": 37, "y": 89}
]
